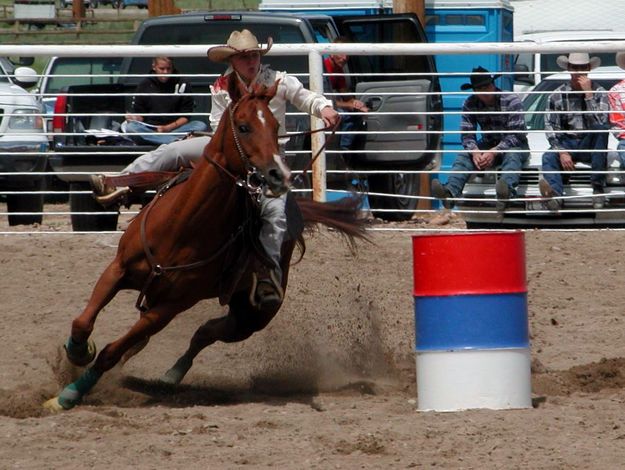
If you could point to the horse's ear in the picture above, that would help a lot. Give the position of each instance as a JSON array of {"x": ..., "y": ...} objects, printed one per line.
[
  {"x": 235, "y": 88},
  {"x": 271, "y": 92}
]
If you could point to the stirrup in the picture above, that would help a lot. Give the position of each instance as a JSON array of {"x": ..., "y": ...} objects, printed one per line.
[
  {"x": 273, "y": 294},
  {"x": 112, "y": 197}
]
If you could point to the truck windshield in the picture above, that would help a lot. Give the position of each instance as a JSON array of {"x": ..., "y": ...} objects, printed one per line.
[{"x": 216, "y": 33}]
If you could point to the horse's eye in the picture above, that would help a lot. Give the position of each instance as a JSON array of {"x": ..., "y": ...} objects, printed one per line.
[{"x": 244, "y": 128}]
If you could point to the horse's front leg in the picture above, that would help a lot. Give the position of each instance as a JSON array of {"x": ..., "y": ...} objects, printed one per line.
[
  {"x": 80, "y": 351},
  {"x": 150, "y": 323}
]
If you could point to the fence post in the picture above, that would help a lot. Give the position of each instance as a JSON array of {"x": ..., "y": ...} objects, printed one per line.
[{"x": 317, "y": 141}]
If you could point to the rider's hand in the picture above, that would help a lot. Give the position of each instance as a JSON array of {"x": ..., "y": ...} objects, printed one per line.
[{"x": 330, "y": 117}]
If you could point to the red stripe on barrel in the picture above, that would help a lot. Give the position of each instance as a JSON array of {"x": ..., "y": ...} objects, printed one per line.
[{"x": 469, "y": 263}]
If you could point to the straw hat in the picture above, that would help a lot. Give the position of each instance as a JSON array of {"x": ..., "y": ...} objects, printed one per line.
[
  {"x": 479, "y": 79},
  {"x": 620, "y": 59},
  {"x": 578, "y": 58},
  {"x": 238, "y": 42}
]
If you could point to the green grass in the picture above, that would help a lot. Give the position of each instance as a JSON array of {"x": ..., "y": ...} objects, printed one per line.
[{"x": 101, "y": 31}]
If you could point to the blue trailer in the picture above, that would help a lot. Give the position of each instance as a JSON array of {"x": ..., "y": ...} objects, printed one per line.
[{"x": 467, "y": 22}]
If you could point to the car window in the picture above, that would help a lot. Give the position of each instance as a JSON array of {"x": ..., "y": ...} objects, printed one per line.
[
  {"x": 216, "y": 33},
  {"x": 386, "y": 32},
  {"x": 106, "y": 67}
]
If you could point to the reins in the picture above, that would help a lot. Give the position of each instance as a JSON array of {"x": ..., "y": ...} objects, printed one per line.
[{"x": 156, "y": 269}]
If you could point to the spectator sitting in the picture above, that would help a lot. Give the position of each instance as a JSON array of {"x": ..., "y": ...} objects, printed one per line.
[
  {"x": 493, "y": 111},
  {"x": 161, "y": 107},
  {"x": 575, "y": 108},
  {"x": 334, "y": 65}
]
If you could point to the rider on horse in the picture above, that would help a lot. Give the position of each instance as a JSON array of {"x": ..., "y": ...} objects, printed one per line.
[{"x": 242, "y": 53}]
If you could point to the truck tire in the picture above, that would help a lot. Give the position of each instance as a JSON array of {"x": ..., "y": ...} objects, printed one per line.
[
  {"x": 407, "y": 184},
  {"x": 86, "y": 203},
  {"x": 26, "y": 203}
]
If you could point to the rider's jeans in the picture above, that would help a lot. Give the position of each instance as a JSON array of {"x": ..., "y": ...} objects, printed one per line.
[
  {"x": 273, "y": 230},
  {"x": 181, "y": 153}
]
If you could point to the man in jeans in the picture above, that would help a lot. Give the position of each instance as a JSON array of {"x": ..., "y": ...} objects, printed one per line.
[
  {"x": 500, "y": 117},
  {"x": 575, "y": 108}
]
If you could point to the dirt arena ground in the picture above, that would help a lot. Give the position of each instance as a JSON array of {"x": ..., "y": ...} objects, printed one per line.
[{"x": 329, "y": 384}]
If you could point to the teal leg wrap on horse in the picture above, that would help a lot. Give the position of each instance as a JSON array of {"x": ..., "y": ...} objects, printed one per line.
[{"x": 73, "y": 393}]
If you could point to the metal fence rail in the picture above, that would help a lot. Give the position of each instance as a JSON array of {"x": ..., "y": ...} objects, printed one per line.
[{"x": 329, "y": 161}]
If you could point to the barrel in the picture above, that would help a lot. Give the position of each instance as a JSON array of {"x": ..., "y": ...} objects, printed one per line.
[{"x": 471, "y": 327}]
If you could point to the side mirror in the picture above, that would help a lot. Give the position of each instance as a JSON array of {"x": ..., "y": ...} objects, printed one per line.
[
  {"x": 25, "y": 77},
  {"x": 24, "y": 61}
]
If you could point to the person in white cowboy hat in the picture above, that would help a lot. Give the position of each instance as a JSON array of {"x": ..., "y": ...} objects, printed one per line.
[
  {"x": 242, "y": 54},
  {"x": 616, "y": 97},
  {"x": 575, "y": 108},
  {"x": 492, "y": 111}
]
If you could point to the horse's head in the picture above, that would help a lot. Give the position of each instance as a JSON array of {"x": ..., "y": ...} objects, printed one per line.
[{"x": 254, "y": 132}]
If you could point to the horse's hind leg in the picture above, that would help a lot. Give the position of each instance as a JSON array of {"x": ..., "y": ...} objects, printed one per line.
[
  {"x": 239, "y": 324},
  {"x": 79, "y": 350},
  {"x": 150, "y": 323}
]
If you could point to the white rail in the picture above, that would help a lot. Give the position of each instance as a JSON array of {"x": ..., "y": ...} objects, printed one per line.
[{"x": 314, "y": 52}]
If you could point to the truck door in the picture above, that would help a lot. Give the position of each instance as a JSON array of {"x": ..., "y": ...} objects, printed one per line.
[{"x": 403, "y": 92}]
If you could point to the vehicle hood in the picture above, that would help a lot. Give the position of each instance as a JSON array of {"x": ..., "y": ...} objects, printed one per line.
[{"x": 13, "y": 95}]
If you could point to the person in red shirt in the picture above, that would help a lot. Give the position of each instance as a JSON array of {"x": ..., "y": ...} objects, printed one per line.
[{"x": 334, "y": 66}]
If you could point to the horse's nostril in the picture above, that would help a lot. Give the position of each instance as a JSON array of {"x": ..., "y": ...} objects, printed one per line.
[{"x": 275, "y": 175}]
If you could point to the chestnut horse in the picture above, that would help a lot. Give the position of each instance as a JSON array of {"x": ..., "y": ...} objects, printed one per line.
[{"x": 190, "y": 244}]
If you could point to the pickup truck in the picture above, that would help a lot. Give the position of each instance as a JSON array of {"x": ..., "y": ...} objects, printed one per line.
[{"x": 75, "y": 151}]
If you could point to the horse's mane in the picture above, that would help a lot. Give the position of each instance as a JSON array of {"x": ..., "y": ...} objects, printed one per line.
[{"x": 237, "y": 91}]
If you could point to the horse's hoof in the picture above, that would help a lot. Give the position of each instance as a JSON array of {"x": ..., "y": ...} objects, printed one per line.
[
  {"x": 82, "y": 357},
  {"x": 53, "y": 405},
  {"x": 175, "y": 375}
]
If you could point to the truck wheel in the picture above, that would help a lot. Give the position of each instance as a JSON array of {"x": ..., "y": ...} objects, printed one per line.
[
  {"x": 26, "y": 203},
  {"x": 396, "y": 183},
  {"x": 86, "y": 203}
]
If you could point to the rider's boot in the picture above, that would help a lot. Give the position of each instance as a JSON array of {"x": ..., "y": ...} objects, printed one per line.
[
  {"x": 105, "y": 193},
  {"x": 267, "y": 290}
]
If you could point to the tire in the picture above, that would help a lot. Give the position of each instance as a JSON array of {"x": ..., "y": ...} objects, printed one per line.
[
  {"x": 407, "y": 184},
  {"x": 26, "y": 203},
  {"x": 86, "y": 203}
]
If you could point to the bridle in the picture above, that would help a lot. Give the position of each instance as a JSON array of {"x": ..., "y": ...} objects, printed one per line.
[
  {"x": 252, "y": 183},
  {"x": 254, "y": 180}
]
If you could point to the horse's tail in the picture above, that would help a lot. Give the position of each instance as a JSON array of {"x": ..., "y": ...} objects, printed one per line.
[{"x": 343, "y": 216}]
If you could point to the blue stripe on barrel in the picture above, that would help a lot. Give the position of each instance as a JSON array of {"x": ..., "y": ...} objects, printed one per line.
[{"x": 471, "y": 322}]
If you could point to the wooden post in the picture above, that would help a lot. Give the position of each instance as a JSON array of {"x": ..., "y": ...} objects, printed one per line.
[
  {"x": 162, "y": 7},
  {"x": 411, "y": 6},
  {"x": 78, "y": 9},
  {"x": 418, "y": 8}
]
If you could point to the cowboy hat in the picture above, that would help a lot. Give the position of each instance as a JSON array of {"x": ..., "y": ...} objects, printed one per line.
[
  {"x": 620, "y": 59},
  {"x": 479, "y": 79},
  {"x": 238, "y": 42},
  {"x": 578, "y": 58}
]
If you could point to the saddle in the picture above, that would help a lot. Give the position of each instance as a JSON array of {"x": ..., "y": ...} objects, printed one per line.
[{"x": 245, "y": 251}]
